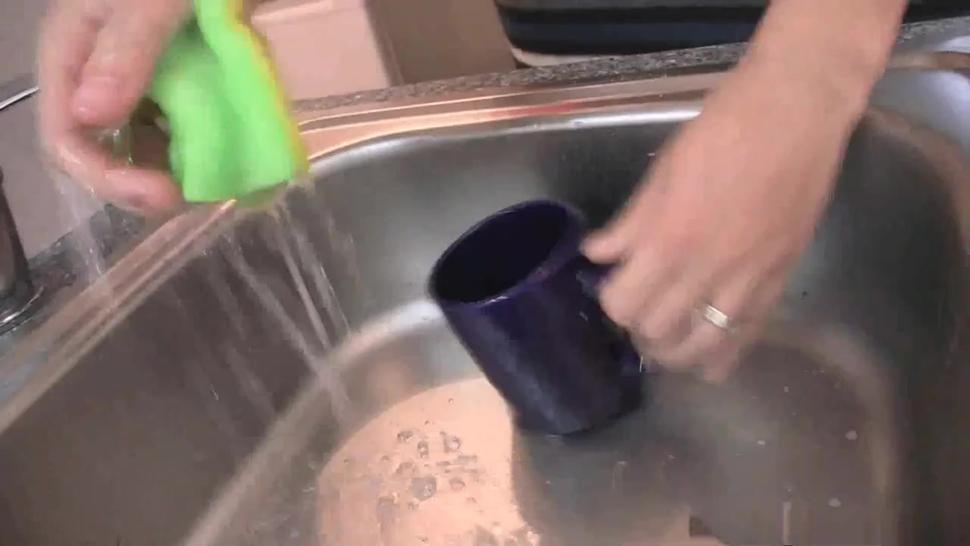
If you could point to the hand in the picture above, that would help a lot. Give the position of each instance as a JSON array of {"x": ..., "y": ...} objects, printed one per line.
[
  {"x": 725, "y": 212},
  {"x": 96, "y": 60}
]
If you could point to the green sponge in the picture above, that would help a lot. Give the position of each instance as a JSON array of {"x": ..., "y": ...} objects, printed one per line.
[{"x": 230, "y": 125}]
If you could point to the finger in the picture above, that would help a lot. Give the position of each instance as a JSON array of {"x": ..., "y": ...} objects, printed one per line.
[
  {"x": 120, "y": 67},
  {"x": 722, "y": 365},
  {"x": 67, "y": 38},
  {"x": 147, "y": 191},
  {"x": 705, "y": 338},
  {"x": 719, "y": 365},
  {"x": 141, "y": 190},
  {"x": 634, "y": 285},
  {"x": 670, "y": 319}
]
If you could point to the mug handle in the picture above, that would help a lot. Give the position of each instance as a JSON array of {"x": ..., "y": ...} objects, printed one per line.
[{"x": 591, "y": 277}]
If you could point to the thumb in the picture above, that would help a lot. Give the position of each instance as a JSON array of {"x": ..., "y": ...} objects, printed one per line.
[{"x": 119, "y": 68}]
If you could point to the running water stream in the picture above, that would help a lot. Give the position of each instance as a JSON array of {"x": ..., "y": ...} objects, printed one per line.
[{"x": 319, "y": 305}]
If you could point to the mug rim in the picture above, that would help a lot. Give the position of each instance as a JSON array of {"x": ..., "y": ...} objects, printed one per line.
[{"x": 554, "y": 261}]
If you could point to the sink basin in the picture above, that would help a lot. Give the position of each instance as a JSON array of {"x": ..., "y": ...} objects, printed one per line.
[{"x": 219, "y": 386}]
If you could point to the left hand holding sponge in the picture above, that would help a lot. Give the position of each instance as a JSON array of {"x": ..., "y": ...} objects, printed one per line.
[{"x": 97, "y": 60}]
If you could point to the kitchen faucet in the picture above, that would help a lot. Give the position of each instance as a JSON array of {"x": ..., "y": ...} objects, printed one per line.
[{"x": 17, "y": 291}]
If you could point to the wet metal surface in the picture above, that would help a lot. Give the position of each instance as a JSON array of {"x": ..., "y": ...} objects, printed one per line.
[{"x": 157, "y": 416}]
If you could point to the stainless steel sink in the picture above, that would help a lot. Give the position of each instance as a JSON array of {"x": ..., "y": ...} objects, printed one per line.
[{"x": 190, "y": 398}]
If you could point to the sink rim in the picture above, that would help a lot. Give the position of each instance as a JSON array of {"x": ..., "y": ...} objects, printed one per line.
[{"x": 52, "y": 348}]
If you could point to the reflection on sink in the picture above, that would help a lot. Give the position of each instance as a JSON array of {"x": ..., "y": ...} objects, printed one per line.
[{"x": 190, "y": 413}]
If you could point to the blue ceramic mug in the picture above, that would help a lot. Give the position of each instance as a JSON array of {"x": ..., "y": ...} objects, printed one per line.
[{"x": 522, "y": 299}]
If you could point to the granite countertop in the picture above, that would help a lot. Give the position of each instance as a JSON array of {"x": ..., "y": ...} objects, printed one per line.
[
  {"x": 608, "y": 69},
  {"x": 62, "y": 265}
]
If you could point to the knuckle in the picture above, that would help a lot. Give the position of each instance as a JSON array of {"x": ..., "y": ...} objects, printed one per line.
[
  {"x": 662, "y": 327},
  {"x": 671, "y": 242},
  {"x": 710, "y": 346},
  {"x": 617, "y": 305},
  {"x": 645, "y": 331},
  {"x": 669, "y": 322},
  {"x": 709, "y": 352},
  {"x": 617, "y": 311},
  {"x": 698, "y": 346},
  {"x": 91, "y": 12},
  {"x": 675, "y": 361},
  {"x": 655, "y": 331}
]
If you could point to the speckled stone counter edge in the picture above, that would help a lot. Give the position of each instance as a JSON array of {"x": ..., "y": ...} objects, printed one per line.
[{"x": 599, "y": 70}]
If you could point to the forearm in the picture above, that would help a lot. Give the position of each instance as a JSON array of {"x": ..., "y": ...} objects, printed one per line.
[{"x": 835, "y": 48}]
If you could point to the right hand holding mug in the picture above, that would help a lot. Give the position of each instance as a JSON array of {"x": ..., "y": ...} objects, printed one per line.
[
  {"x": 706, "y": 245},
  {"x": 707, "y": 242}
]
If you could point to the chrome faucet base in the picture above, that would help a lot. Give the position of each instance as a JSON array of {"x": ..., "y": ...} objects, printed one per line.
[
  {"x": 18, "y": 307},
  {"x": 17, "y": 293}
]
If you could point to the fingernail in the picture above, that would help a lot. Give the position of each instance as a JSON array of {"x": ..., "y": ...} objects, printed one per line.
[{"x": 96, "y": 95}]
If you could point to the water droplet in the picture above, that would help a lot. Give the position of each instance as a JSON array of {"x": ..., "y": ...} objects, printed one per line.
[
  {"x": 787, "y": 389},
  {"x": 385, "y": 506},
  {"x": 762, "y": 443},
  {"x": 456, "y": 484},
  {"x": 835, "y": 503},
  {"x": 405, "y": 436},
  {"x": 466, "y": 459},
  {"x": 522, "y": 537},
  {"x": 852, "y": 436},
  {"x": 451, "y": 400},
  {"x": 407, "y": 468},
  {"x": 484, "y": 538},
  {"x": 423, "y": 449},
  {"x": 424, "y": 487},
  {"x": 451, "y": 444}
]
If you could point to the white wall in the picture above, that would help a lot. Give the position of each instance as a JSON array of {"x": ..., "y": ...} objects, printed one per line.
[
  {"x": 438, "y": 39},
  {"x": 42, "y": 211}
]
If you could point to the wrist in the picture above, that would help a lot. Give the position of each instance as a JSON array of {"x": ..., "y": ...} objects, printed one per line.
[
  {"x": 833, "y": 49},
  {"x": 810, "y": 80}
]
